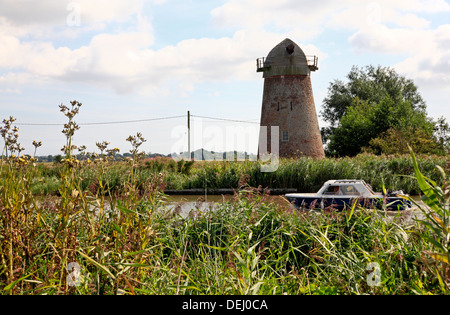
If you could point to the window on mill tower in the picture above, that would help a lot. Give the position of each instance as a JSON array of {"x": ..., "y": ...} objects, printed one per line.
[{"x": 285, "y": 136}]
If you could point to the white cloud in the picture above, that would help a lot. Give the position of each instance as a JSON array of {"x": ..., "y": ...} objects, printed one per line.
[
  {"x": 442, "y": 36},
  {"x": 429, "y": 64},
  {"x": 305, "y": 17},
  {"x": 126, "y": 61},
  {"x": 38, "y": 58},
  {"x": 313, "y": 17},
  {"x": 413, "y": 22},
  {"x": 426, "y": 50},
  {"x": 428, "y": 6},
  {"x": 382, "y": 39},
  {"x": 44, "y": 18}
]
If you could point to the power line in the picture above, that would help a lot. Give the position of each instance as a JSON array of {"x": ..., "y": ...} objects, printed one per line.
[
  {"x": 103, "y": 123},
  {"x": 131, "y": 121},
  {"x": 224, "y": 119},
  {"x": 137, "y": 121}
]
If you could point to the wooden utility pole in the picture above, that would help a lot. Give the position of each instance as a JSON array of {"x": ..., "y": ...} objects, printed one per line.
[{"x": 189, "y": 133}]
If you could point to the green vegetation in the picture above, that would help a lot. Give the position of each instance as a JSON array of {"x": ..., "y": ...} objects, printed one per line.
[
  {"x": 379, "y": 111},
  {"x": 108, "y": 230},
  {"x": 305, "y": 174}
]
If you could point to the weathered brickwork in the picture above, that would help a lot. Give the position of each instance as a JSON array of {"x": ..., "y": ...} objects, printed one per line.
[{"x": 288, "y": 102}]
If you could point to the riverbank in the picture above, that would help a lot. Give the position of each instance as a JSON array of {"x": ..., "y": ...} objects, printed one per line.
[
  {"x": 226, "y": 191},
  {"x": 110, "y": 231},
  {"x": 303, "y": 175}
]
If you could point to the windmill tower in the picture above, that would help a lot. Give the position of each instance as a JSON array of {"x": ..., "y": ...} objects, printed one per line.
[{"x": 288, "y": 101}]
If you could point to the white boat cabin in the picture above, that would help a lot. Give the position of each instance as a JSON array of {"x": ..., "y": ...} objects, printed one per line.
[{"x": 347, "y": 188}]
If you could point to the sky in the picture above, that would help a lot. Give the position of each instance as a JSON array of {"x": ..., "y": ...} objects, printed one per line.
[{"x": 141, "y": 65}]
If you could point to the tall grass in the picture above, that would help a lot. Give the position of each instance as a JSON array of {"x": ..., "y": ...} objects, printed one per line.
[
  {"x": 437, "y": 223},
  {"x": 308, "y": 175},
  {"x": 108, "y": 230},
  {"x": 304, "y": 175}
]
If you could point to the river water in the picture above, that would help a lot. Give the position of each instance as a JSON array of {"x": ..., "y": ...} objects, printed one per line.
[{"x": 184, "y": 204}]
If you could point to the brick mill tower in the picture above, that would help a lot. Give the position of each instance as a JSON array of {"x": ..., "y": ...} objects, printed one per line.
[{"x": 288, "y": 101}]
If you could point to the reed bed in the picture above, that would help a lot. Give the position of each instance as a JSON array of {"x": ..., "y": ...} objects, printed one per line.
[
  {"x": 305, "y": 174},
  {"x": 98, "y": 227},
  {"x": 249, "y": 245},
  {"x": 308, "y": 175}
]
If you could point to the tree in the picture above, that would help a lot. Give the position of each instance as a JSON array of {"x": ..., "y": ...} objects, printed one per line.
[
  {"x": 371, "y": 84},
  {"x": 57, "y": 159},
  {"x": 442, "y": 134},
  {"x": 396, "y": 141},
  {"x": 365, "y": 121},
  {"x": 375, "y": 109},
  {"x": 356, "y": 129}
]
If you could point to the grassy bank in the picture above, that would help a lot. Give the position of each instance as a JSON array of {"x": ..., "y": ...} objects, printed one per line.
[
  {"x": 305, "y": 175},
  {"x": 101, "y": 227},
  {"x": 308, "y": 175},
  {"x": 75, "y": 244}
]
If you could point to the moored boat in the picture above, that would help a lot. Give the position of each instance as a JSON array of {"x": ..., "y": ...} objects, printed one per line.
[{"x": 342, "y": 194}]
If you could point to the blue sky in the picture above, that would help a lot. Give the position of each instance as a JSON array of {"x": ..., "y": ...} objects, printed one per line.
[{"x": 137, "y": 59}]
